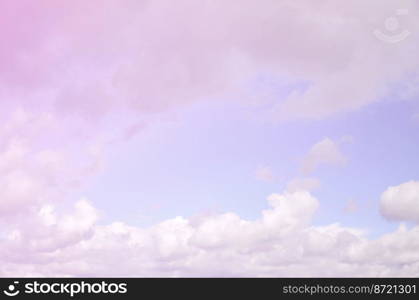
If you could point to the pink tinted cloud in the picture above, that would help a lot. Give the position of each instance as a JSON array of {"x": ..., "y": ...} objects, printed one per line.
[
  {"x": 281, "y": 242},
  {"x": 66, "y": 67},
  {"x": 101, "y": 56}
]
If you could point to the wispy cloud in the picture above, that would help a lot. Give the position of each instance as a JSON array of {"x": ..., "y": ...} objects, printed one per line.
[{"x": 325, "y": 152}]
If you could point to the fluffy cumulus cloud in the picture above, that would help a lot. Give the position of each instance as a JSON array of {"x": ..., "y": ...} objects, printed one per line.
[
  {"x": 282, "y": 242},
  {"x": 80, "y": 76},
  {"x": 41, "y": 160},
  {"x": 41, "y": 237},
  {"x": 401, "y": 203}
]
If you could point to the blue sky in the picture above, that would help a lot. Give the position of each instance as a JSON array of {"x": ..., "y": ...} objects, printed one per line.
[
  {"x": 204, "y": 161},
  {"x": 209, "y": 138}
]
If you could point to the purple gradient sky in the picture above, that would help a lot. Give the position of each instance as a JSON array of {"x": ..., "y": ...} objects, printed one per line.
[{"x": 209, "y": 138}]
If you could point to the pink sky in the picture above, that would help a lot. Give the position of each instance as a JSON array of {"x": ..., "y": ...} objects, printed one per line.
[{"x": 79, "y": 79}]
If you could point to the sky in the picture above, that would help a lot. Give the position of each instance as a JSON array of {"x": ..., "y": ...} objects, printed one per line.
[{"x": 209, "y": 138}]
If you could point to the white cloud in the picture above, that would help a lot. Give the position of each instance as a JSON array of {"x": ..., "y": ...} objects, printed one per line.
[
  {"x": 401, "y": 203},
  {"x": 47, "y": 231},
  {"x": 134, "y": 59},
  {"x": 241, "y": 44},
  {"x": 325, "y": 152},
  {"x": 34, "y": 167},
  {"x": 282, "y": 242}
]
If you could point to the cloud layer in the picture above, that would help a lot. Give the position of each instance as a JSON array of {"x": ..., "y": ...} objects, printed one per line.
[
  {"x": 95, "y": 58},
  {"x": 40, "y": 237},
  {"x": 401, "y": 203},
  {"x": 282, "y": 242},
  {"x": 79, "y": 77}
]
